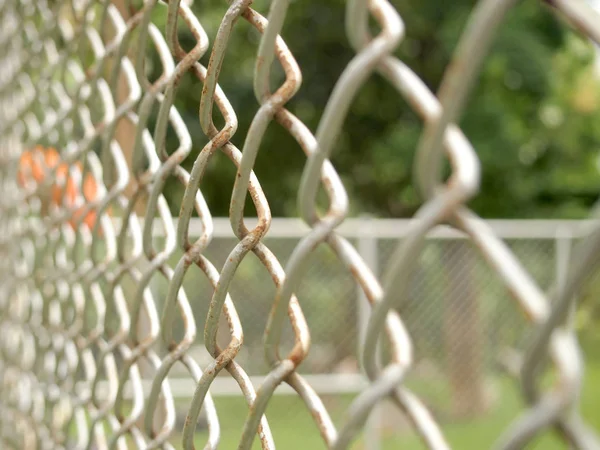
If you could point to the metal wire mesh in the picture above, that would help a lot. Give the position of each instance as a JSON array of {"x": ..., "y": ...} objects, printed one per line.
[{"x": 81, "y": 324}]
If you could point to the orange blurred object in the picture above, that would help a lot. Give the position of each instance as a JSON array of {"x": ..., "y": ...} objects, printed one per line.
[{"x": 64, "y": 190}]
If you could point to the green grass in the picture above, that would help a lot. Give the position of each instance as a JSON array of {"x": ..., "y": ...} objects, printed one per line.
[{"x": 294, "y": 429}]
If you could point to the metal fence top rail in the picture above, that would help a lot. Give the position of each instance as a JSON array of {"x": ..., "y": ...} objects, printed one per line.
[{"x": 398, "y": 228}]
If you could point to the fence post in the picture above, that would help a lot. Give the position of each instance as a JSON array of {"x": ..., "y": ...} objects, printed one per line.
[
  {"x": 563, "y": 244},
  {"x": 125, "y": 137},
  {"x": 562, "y": 257},
  {"x": 368, "y": 250}
]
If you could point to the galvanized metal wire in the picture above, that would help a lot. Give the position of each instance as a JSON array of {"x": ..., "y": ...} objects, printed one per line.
[{"x": 81, "y": 326}]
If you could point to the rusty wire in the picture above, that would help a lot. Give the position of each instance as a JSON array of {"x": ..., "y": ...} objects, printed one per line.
[{"x": 67, "y": 326}]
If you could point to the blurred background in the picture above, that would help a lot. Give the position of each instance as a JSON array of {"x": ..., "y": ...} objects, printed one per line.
[
  {"x": 532, "y": 118},
  {"x": 467, "y": 331}
]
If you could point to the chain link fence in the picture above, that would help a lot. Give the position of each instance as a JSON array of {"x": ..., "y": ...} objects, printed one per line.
[
  {"x": 457, "y": 311},
  {"x": 104, "y": 296}
]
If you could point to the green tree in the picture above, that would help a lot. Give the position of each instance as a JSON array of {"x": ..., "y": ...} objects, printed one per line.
[{"x": 531, "y": 117}]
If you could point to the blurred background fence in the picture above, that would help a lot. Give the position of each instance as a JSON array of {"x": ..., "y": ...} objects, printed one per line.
[{"x": 466, "y": 332}]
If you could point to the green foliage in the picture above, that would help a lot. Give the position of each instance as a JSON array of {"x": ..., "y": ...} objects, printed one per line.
[{"x": 531, "y": 118}]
